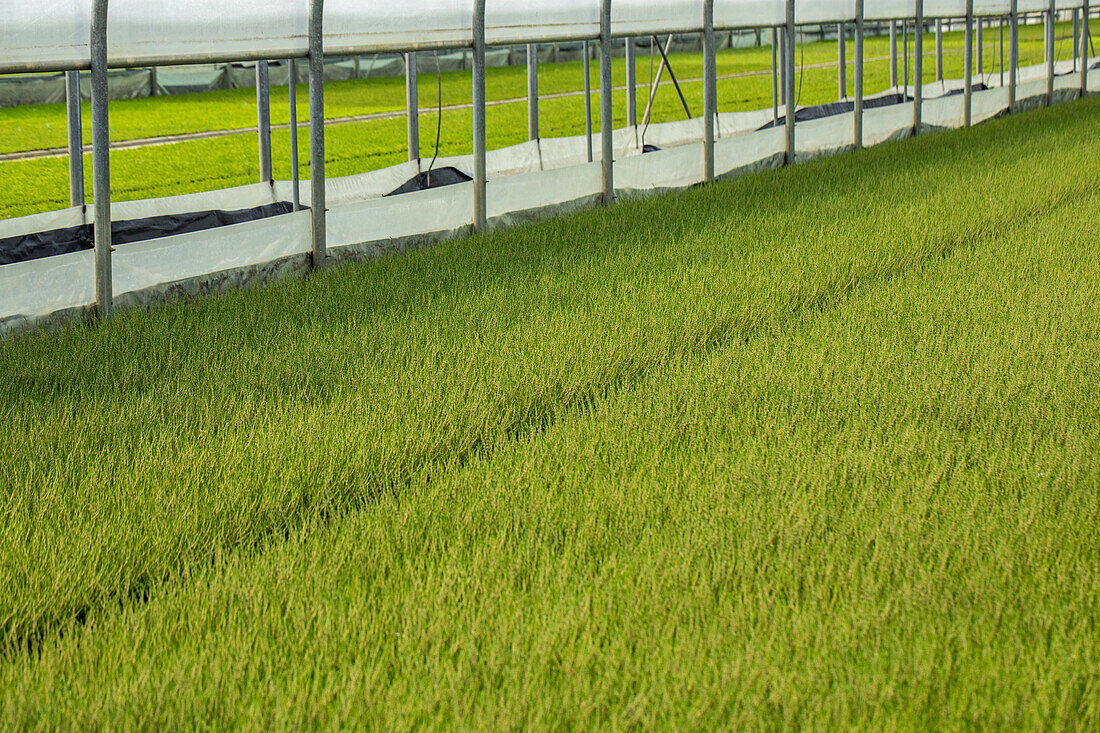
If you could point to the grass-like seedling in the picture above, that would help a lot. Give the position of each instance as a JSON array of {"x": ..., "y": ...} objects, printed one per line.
[{"x": 813, "y": 448}]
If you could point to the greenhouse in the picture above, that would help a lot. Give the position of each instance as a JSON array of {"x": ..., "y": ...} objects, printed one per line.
[{"x": 87, "y": 260}]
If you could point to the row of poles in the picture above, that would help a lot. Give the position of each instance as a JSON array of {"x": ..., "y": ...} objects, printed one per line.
[
  {"x": 783, "y": 88},
  {"x": 998, "y": 23}
]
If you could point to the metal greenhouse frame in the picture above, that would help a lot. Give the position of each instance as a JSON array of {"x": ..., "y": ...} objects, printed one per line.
[{"x": 351, "y": 217}]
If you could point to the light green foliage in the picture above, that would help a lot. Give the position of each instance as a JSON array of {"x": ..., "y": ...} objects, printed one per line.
[{"x": 814, "y": 448}]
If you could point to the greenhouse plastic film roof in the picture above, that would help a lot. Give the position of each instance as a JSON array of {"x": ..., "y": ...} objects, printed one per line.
[{"x": 53, "y": 35}]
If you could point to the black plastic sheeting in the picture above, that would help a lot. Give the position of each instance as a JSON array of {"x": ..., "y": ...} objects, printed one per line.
[
  {"x": 432, "y": 179},
  {"x": 831, "y": 109},
  {"x": 76, "y": 239}
]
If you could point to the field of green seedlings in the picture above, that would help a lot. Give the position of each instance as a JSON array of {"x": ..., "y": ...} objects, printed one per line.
[
  {"x": 813, "y": 448},
  {"x": 201, "y": 165}
]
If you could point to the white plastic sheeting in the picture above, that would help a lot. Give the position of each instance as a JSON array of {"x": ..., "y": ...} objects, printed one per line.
[
  {"x": 406, "y": 25},
  {"x": 41, "y": 35},
  {"x": 987, "y": 7},
  {"x": 226, "y": 199},
  {"x": 883, "y": 124},
  {"x": 645, "y": 17},
  {"x": 896, "y": 9},
  {"x": 193, "y": 30},
  {"x": 668, "y": 169},
  {"x": 757, "y": 13},
  {"x": 352, "y": 188},
  {"x": 146, "y": 265},
  {"x": 957, "y": 8},
  {"x": 508, "y": 21},
  {"x": 743, "y": 152},
  {"x": 943, "y": 112},
  {"x": 71, "y": 217},
  {"x": 949, "y": 8},
  {"x": 987, "y": 104},
  {"x": 32, "y": 290},
  {"x": 230, "y": 199},
  {"x": 437, "y": 210},
  {"x": 828, "y": 11},
  {"x": 1032, "y": 6},
  {"x": 46, "y": 34},
  {"x": 528, "y": 193},
  {"x": 827, "y": 135},
  {"x": 748, "y": 13}
]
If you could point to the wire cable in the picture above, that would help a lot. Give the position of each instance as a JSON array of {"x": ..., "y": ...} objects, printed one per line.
[{"x": 438, "y": 114}]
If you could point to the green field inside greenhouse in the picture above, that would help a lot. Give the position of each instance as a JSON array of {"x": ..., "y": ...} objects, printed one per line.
[
  {"x": 358, "y": 146},
  {"x": 814, "y": 448}
]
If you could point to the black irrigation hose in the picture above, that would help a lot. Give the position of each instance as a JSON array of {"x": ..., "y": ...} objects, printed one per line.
[
  {"x": 438, "y": 114},
  {"x": 801, "y": 71}
]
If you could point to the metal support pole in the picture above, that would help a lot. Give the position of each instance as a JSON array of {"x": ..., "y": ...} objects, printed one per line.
[
  {"x": 101, "y": 162},
  {"x": 981, "y": 46},
  {"x": 479, "y": 114},
  {"x": 710, "y": 91},
  {"x": 905, "y": 57},
  {"x": 842, "y": 60},
  {"x": 1001, "y": 46},
  {"x": 76, "y": 138},
  {"x": 1085, "y": 49},
  {"x": 532, "y": 91},
  {"x": 894, "y": 54},
  {"x": 631, "y": 85},
  {"x": 788, "y": 80},
  {"x": 607, "y": 121},
  {"x": 857, "y": 137},
  {"x": 263, "y": 119},
  {"x": 1013, "y": 52},
  {"x": 154, "y": 82},
  {"x": 918, "y": 67},
  {"x": 939, "y": 49},
  {"x": 1050, "y": 53},
  {"x": 775, "y": 76},
  {"x": 968, "y": 63},
  {"x": 412, "y": 105},
  {"x": 317, "y": 134},
  {"x": 783, "y": 67},
  {"x": 296, "y": 194},
  {"x": 1076, "y": 35},
  {"x": 587, "y": 98}
]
